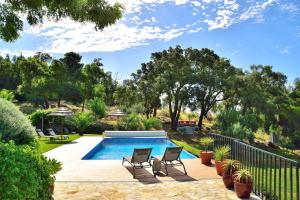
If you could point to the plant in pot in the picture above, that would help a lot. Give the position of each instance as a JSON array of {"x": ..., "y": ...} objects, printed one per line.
[
  {"x": 54, "y": 167},
  {"x": 221, "y": 154},
  {"x": 206, "y": 155},
  {"x": 229, "y": 168},
  {"x": 243, "y": 183}
]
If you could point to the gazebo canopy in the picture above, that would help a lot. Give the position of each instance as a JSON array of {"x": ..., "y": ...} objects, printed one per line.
[
  {"x": 62, "y": 112},
  {"x": 118, "y": 113}
]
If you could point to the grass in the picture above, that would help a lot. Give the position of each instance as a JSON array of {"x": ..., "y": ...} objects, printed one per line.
[
  {"x": 188, "y": 147},
  {"x": 46, "y": 145}
]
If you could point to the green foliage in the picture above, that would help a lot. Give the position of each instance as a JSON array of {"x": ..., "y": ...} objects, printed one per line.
[
  {"x": 152, "y": 123},
  {"x": 233, "y": 123},
  {"x": 230, "y": 166},
  {"x": 25, "y": 173},
  {"x": 14, "y": 125},
  {"x": 37, "y": 116},
  {"x": 137, "y": 108},
  {"x": 222, "y": 153},
  {"x": 243, "y": 176},
  {"x": 98, "y": 12},
  {"x": 206, "y": 142},
  {"x": 82, "y": 120},
  {"x": 132, "y": 122},
  {"x": 7, "y": 95},
  {"x": 98, "y": 107}
]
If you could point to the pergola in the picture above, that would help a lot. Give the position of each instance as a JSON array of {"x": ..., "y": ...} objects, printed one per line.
[{"x": 62, "y": 112}]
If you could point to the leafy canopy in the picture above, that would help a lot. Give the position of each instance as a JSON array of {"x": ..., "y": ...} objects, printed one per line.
[{"x": 98, "y": 12}]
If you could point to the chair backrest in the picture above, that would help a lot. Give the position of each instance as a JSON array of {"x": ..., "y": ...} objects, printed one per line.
[
  {"x": 51, "y": 132},
  {"x": 141, "y": 155},
  {"x": 172, "y": 153},
  {"x": 40, "y": 132}
]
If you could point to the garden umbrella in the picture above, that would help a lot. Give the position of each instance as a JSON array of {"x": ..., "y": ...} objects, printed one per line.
[{"x": 62, "y": 112}]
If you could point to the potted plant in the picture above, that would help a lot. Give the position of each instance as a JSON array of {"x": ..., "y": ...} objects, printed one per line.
[
  {"x": 243, "y": 183},
  {"x": 229, "y": 168},
  {"x": 221, "y": 154},
  {"x": 54, "y": 167},
  {"x": 206, "y": 155}
]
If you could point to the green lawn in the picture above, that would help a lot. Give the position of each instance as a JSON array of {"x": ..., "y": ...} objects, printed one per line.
[
  {"x": 192, "y": 148},
  {"x": 46, "y": 145}
]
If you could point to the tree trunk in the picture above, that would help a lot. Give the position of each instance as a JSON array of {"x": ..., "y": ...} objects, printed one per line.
[
  {"x": 154, "y": 112},
  {"x": 82, "y": 109},
  {"x": 46, "y": 103},
  {"x": 174, "y": 122},
  {"x": 58, "y": 103},
  {"x": 200, "y": 122}
]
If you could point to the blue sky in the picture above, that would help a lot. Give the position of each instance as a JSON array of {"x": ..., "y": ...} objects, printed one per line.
[{"x": 245, "y": 31}]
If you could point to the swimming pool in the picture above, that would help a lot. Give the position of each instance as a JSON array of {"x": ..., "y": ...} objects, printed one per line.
[{"x": 117, "y": 148}]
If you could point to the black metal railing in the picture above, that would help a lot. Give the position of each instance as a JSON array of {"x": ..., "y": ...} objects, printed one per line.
[{"x": 274, "y": 176}]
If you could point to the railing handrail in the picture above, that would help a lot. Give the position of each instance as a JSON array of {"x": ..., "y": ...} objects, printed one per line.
[{"x": 267, "y": 152}]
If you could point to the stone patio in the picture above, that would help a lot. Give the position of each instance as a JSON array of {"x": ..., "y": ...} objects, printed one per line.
[{"x": 201, "y": 189}]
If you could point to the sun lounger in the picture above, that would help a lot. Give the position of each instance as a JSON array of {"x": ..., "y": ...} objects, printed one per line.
[
  {"x": 61, "y": 137},
  {"x": 139, "y": 159},
  {"x": 42, "y": 135},
  {"x": 170, "y": 158}
]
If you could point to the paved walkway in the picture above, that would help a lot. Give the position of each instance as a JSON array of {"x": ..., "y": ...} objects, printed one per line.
[{"x": 169, "y": 190}]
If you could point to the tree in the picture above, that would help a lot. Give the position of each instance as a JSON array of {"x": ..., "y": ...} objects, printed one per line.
[
  {"x": 126, "y": 94},
  {"x": 36, "y": 80},
  {"x": 9, "y": 74},
  {"x": 175, "y": 71},
  {"x": 91, "y": 75},
  {"x": 98, "y": 12},
  {"x": 212, "y": 81},
  {"x": 97, "y": 106},
  {"x": 149, "y": 90},
  {"x": 263, "y": 92},
  {"x": 290, "y": 115}
]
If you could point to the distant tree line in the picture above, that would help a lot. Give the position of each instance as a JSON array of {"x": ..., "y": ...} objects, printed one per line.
[
  {"x": 176, "y": 78},
  {"x": 203, "y": 81},
  {"x": 41, "y": 78}
]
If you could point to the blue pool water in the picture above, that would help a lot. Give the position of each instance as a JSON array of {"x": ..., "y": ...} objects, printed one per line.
[{"x": 117, "y": 148}]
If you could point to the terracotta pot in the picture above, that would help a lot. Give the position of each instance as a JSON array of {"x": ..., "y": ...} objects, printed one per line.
[
  {"x": 228, "y": 180},
  {"x": 243, "y": 190},
  {"x": 51, "y": 188},
  {"x": 206, "y": 157},
  {"x": 219, "y": 167}
]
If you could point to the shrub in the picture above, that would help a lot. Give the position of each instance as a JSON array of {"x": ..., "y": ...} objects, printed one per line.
[
  {"x": 7, "y": 95},
  {"x": 97, "y": 106},
  {"x": 132, "y": 122},
  {"x": 24, "y": 173},
  {"x": 82, "y": 120},
  {"x": 232, "y": 123},
  {"x": 37, "y": 116},
  {"x": 14, "y": 125},
  {"x": 97, "y": 128},
  {"x": 153, "y": 123},
  {"x": 136, "y": 108}
]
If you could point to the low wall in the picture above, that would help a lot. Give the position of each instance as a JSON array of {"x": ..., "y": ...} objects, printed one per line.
[{"x": 161, "y": 133}]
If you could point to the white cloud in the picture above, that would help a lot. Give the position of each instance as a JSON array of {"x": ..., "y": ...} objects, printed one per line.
[
  {"x": 25, "y": 53},
  {"x": 72, "y": 36},
  {"x": 285, "y": 50},
  {"x": 256, "y": 10},
  {"x": 141, "y": 24},
  {"x": 290, "y": 8}
]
